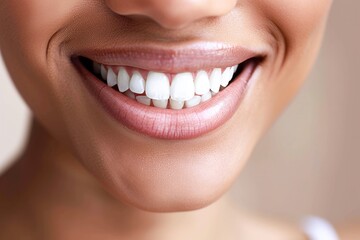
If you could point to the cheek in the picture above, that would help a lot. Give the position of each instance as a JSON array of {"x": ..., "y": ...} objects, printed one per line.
[
  {"x": 297, "y": 19},
  {"x": 30, "y": 24},
  {"x": 27, "y": 28},
  {"x": 299, "y": 31}
]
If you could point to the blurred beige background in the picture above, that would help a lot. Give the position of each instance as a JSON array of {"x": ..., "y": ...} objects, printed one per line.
[{"x": 308, "y": 163}]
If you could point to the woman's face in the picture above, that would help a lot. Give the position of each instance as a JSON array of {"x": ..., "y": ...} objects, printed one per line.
[{"x": 79, "y": 64}]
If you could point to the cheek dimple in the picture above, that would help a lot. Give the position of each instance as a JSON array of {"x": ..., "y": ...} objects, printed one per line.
[
  {"x": 33, "y": 23},
  {"x": 297, "y": 18},
  {"x": 40, "y": 19}
]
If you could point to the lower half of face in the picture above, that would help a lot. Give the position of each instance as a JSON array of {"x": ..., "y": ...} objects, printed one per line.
[{"x": 164, "y": 110}]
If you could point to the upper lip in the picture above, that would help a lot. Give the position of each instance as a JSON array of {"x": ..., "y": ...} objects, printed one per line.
[{"x": 172, "y": 59}]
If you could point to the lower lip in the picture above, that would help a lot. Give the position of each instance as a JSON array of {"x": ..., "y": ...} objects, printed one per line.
[{"x": 167, "y": 123}]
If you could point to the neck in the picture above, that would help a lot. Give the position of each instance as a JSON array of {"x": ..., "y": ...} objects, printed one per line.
[{"x": 50, "y": 188}]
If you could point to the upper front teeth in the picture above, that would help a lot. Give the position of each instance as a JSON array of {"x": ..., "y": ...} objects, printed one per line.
[
  {"x": 184, "y": 89},
  {"x": 157, "y": 86},
  {"x": 202, "y": 83}
]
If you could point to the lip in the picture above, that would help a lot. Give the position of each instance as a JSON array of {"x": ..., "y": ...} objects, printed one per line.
[
  {"x": 172, "y": 59},
  {"x": 169, "y": 124}
]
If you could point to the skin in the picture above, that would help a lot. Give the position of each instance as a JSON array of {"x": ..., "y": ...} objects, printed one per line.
[{"x": 81, "y": 169}]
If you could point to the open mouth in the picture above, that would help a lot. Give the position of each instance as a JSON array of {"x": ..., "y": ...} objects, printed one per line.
[
  {"x": 166, "y": 90},
  {"x": 166, "y": 95}
]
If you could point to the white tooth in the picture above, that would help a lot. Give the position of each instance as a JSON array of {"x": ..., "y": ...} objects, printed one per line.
[
  {"x": 160, "y": 103},
  {"x": 234, "y": 68},
  {"x": 213, "y": 93},
  {"x": 103, "y": 72},
  {"x": 176, "y": 105},
  {"x": 137, "y": 83},
  {"x": 215, "y": 80},
  {"x": 193, "y": 102},
  {"x": 226, "y": 76},
  {"x": 143, "y": 100},
  {"x": 123, "y": 80},
  {"x": 157, "y": 86},
  {"x": 205, "y": 97},
  {"x": 130, "y": 94},
  {"x": 96, "y": 68},
  {"x": 111, "y": 78},
  {"x": 202, "y": 84},
  {"x": 182, "y": 87}
]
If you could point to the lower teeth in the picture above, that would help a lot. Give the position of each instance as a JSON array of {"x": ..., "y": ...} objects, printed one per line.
[{"x": 171, "y": 104}]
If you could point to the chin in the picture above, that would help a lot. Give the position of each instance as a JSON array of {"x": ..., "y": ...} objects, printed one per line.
[
  {"x": 168, "y": 194},
  {"x": 167, "y": 182}
]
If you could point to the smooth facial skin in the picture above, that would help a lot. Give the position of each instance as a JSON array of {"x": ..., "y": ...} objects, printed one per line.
[{"x": 38, "y": 37}]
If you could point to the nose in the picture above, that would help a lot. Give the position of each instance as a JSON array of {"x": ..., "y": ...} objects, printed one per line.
[{"x": 172, "y": 14}]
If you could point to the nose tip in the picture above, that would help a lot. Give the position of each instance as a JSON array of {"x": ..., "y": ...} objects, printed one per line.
[{"x": 172, "y": 14}]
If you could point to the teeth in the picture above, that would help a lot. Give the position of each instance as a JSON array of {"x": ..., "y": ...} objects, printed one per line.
[
  {"x": 202, "y": 84},
  {"x": 156, "y": 90},
  {"x": 111, "y": 78},
  {"x": 226, "y": 76},
  {"x": 193, "y": 102},
  {"x": 157, "y": 86},
  {"x": 215, "y": 80},
  {"x": 103, "y": 72},
  {"x": 160, "y": 103},
  {"x": 143, "y": 100},
  {"x": 182, "y": 87},
  {"x": 205, "y": 97},
  {"x": 234, "y": 68},
  {"x": 176, "y": 105},
  {"x": 137, "y": 83},
  {"x": 123, "y": 80}
]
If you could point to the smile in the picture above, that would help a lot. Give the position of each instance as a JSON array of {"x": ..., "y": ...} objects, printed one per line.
[
  {"x": 164, "y": 90},
  {"x": 169, "y": 94}
]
